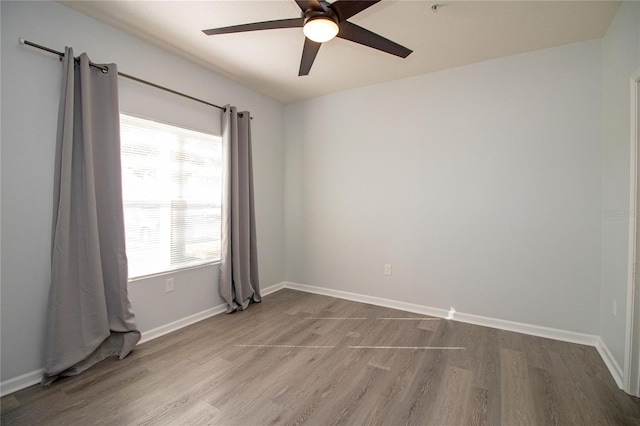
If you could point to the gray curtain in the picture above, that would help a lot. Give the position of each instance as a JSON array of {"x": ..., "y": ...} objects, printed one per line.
[
  {"x": 239, "y": 284},
  {"x": 89, "y": 317}
]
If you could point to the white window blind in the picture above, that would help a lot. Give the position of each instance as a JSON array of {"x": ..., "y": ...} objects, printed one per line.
[{"x": 171, "y": 182}]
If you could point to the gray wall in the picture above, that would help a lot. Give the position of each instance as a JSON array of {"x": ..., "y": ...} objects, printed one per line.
[
  {"x": 30, "y": 91},
  {"x": 621, "y": 59},
  {"x": 481, "y": 185}
]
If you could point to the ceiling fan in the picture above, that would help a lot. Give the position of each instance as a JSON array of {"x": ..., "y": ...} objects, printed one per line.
[{"x": 321, "y": 21}]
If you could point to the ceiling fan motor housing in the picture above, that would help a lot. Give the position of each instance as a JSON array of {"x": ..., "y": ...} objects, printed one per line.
[{"x": 310, "y": 15}]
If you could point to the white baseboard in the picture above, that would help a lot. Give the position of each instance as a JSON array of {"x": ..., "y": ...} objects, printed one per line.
[
  {"x": 272, "y": 289},
  {"x": 534, "y": 330},
  {"x": 518, "y": 327},
  {"x": 372, "y": 300},
  {"x": 34, "y": 377},
  {"x": 530, "y": 329},
  {"x": 181, "y": 323},
  {"x": 20, "y": 382},
  {"x": 610, "y": 362},
  {"x": 29, "y": 379},
  {"x": 192, "y": 319}
]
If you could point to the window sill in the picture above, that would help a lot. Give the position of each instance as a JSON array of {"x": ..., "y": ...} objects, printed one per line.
[{"x": 173, "y": 271}]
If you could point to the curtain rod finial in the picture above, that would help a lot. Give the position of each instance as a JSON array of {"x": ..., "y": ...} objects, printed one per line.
[{"x": 21, "y": 40}]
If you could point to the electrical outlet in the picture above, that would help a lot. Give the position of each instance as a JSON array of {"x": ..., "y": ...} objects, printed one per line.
[
  {"x": 387, "y": 269},
  {"x": 169, "y": 285},
  {"x": 614, "y": 308}
]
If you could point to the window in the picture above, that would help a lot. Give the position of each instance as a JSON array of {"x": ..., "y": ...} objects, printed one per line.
[{"x": 171, "y": 183}]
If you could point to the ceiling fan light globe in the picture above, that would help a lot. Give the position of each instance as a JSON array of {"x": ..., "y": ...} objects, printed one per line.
[{"x": 320, "y": 29}]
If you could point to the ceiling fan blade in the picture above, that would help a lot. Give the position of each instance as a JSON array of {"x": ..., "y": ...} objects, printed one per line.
[
  {"x": 345, "y": 9},
  {"x": 356, "y": 34},
  {"x": 309, "y": 5},
  {"x": 309, "y": 53},
  {"x": 257, "y": 26}
]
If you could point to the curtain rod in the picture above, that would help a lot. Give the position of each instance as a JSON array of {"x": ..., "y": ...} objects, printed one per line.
[{"x": 121, "y": 74}]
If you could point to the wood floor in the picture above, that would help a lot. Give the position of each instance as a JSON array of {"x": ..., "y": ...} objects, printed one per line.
[{"x": 298, "y": 358}]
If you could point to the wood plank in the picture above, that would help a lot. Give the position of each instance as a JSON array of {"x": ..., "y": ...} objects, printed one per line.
[
  {"x": 480, "y": 408},
  {"x": 517, "y": 400},
  {"x": 454, "y": 403}
]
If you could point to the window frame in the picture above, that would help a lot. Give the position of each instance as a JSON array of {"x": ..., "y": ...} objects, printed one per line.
[{"x": 185, "y": 267}]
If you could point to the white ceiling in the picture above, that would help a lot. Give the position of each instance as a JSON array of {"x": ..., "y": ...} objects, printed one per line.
[{"x": 459, "y": 33}]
